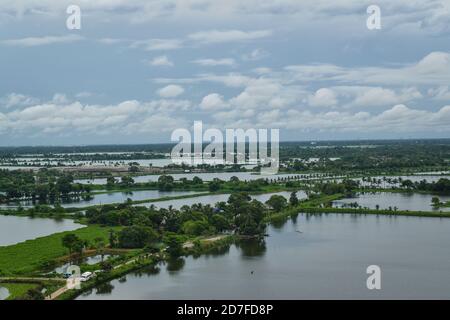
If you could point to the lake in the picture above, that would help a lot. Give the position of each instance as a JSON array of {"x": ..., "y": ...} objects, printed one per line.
[
  {"x": 18, "y": 229},
  {"x": 213, "y": 199},
  {"x": 403, "y": 201},
  {"x": 327, "y": 260},
  {"x": 108, "y": 198}
]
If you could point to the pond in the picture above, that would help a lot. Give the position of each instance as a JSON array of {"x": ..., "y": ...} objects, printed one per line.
[
  {"x": 213, "y": 199},
  {"x": 18, "y": 229},
  {"x": 403, "y": 201},
  {"x": 108, "y": 198},
  {"x": 4, "y": 293},
  {"x": 321, "y": 256}
]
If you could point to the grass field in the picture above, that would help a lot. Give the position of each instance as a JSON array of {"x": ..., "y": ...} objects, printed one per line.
[
  {"x": 18, "y": 289},
  {"x": 27, "y": 257}
]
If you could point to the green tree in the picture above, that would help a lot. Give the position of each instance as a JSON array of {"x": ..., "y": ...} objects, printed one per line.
[
  {"x": 436, "y": 201},
  {"x": 136, "y": 237},
  {"x": 174, "y": 245},
  {"x": 277, "y": 202},
  {"x": 293, "y": 200},
  {"x": 112, "y": 238},
  {"x": 195, "y": 228},
  {"x": 71, "y": 242}
]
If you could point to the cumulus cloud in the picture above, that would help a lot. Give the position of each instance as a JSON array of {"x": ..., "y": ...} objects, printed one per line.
[
  {"x": 161, "y": 61},
  {"x": 323, "y": 98},
  {"x": 127, "y": 117},
  {"x": 14, "y": 100},
  {"x": 213, "y": 101},
  {"x": 170, "y": 91}
]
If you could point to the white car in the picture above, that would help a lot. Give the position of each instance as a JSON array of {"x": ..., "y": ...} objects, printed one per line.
[{"x": 86, "y": 276}]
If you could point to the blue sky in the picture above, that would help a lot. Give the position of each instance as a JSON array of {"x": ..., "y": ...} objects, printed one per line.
[{"x": 139, "y": 69}]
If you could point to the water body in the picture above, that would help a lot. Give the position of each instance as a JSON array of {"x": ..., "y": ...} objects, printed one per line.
[
  {"x": 403, "y": 201},
  {"x": 385, "y": 183},
  {"x": 108, "y": 198},
  {"x": 4, "y": 293},
  {"x": 18, "y": 229},
  {"x": 327, "y": 260},
  {"x": 213, "y": 199},
  {"x": 42, "y": 162}
]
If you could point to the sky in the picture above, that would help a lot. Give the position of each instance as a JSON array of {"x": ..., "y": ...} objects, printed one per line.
[{"x": 139, "y": 69}]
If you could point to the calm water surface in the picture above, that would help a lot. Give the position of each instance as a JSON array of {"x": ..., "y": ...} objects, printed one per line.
[
  {"x": 327, "y": 260},
  {"x": 403, "y": 201},
  {"x": 18, "y": 229},
  {"x": 4, "y": 293}
]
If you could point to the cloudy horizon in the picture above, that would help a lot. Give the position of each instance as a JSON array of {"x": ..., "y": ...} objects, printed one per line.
[{"x": 139, "y": 69}]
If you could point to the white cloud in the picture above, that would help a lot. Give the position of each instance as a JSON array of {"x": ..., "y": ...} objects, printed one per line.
[
  {"x": 170, "y": 91},
  {"x": 61, "y": 117},
  {"x": 431, "y": 16},
  {"x": 40, "y": 41},
  {"x": 213, "y": 101},
  {"x": 17, "y": 100},
  {"x": 60, "y": 98},
  {"x": 222, "y": 36},
  {"x": 255, "y": 55},
  {"x": 432, "y": 69},
  {"x": 215, "y": 62},
  {"x": 161, "y": 61},
  {"x": 440, "y": 93},
  {"x": 323, "y": 98}
]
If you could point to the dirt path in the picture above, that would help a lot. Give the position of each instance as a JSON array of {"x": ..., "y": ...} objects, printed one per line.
[{"x": 190, "y": 244}]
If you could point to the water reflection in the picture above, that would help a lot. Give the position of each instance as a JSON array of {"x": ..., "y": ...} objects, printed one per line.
[
  {"x": 252, "y": 247},
  {"x": 392, "y": 201},
  {"x": 174, "y": 265},
  {"x": 104, "y": 288},
  {"x": 146, "y": 271}
]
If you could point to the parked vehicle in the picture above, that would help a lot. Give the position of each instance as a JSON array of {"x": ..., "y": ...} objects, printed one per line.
[{"x": 86, "y": 276}]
